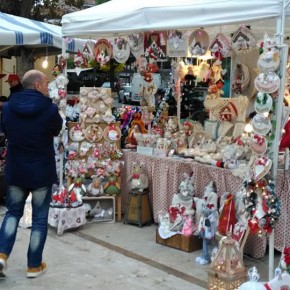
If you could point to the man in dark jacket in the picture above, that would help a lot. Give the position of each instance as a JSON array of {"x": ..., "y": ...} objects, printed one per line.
[
  {"x": 14, "y": 83},
  {"x": 30, "y": 120}
]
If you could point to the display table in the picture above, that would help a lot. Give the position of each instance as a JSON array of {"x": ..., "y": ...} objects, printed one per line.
[
  {"x": 66, "y": 218},
  {"x": 165, "y": 175}
]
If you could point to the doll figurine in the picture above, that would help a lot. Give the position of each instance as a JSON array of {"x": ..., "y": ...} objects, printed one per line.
[{"x": 207, "y": 222}]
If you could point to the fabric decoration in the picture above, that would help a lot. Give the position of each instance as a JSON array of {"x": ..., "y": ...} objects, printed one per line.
[
  {"x": 199, "y": 42},
  {"x": 267, "y": 82},
  {"x": 243, "y": 39},
  {"x": 94, "y": 133},
  {"x": 220, "y": 47},
  {"x": 103, "y": 51},
  {"x": 262, "y": 167},
  {"x": 258, "y": 144},
  {"x": 261, "y": 125},
  {"x": 88, "y": 51},
  {"x": 269, "y": 61},
  {"x": 241, "y": 78},
  {"x": 155, "y": 46},
  {"x": 177, "y": 44},
  {"x": 136, "y": 44},
  {"x": 121, "y": 50},
  {"x": 263, "y": 103},
  {"x": 76, "y": 133}
]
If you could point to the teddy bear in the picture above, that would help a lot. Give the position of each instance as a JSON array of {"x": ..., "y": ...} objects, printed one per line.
[{"x": 139, "y": 180}]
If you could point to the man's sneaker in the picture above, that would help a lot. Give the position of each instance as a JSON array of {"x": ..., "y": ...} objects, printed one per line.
[
  {"x": 3, "y": 265},
  {"x": 35, "y": 272}
]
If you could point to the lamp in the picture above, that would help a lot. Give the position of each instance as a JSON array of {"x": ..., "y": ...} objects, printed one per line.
[{"x": 45, "y": 62}]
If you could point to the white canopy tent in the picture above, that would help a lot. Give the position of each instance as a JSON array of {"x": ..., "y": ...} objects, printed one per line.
[
  {"x": 42, "y": 37},
  {"x": 122, "y": 17},
  {"x": 125, "y": 16}
]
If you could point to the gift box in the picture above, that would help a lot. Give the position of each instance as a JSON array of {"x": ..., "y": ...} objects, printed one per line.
[{"x": 181, "y": 242}]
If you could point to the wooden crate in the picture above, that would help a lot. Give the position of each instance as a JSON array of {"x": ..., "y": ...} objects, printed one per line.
[
  {"x": 181, "y": 242},
  {"x": 106, "y": 202}
]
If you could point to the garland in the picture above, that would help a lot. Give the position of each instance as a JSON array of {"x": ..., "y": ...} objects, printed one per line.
[{"x": 263, "y": 191}]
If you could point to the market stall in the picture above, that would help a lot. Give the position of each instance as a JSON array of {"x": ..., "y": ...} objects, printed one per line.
[{"x": 118, "y": 20}]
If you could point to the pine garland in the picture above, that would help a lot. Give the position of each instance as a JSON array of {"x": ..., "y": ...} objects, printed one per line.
[{"x": 264, "y": 188}]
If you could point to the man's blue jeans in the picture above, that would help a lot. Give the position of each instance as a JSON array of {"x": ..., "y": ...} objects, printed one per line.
[{"x": 16, "y": 197}]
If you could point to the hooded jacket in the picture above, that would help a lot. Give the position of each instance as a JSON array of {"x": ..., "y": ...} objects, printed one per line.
[
  {"x": 15, "y": 89},
  {"x": 30, "y": 121}
]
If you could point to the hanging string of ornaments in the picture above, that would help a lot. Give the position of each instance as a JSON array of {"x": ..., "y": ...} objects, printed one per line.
[{"x": 261, "y": 202}]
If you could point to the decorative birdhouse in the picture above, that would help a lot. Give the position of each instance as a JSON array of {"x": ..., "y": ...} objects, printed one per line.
[{"x": 227, "y": 270}]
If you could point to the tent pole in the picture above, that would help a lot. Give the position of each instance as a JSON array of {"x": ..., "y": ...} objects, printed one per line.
[{"x": 62, "y": 137}]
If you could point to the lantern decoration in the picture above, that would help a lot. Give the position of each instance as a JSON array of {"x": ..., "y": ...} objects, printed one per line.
[{"x": 227, "y": 270}]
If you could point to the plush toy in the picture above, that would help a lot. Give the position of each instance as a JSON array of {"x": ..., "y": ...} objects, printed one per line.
[
  {"x": 137, "y": 120},
  {"x": 139, "y": 180},
  {"x": 112, "y": 187},
  {"x": 95, "y": 188}
]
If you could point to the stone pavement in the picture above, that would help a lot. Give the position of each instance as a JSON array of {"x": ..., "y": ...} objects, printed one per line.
[{"x": 108, "y": 256}]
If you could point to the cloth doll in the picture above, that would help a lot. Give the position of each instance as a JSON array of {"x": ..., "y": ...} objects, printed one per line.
[
  {"x": 182, "y": 205},
  {"x": 227, "y": 219},
  {"x": 207, "y": 222}
]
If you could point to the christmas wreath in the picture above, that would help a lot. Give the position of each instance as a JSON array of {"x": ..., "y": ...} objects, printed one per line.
[{"x": 262, "y": 205}]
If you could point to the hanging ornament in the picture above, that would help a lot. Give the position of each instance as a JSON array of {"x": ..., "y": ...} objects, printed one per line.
[{"x": 103, "y": 51}]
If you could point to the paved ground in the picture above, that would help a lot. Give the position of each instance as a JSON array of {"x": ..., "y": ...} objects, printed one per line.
[{"x": 110, "y": 256}]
